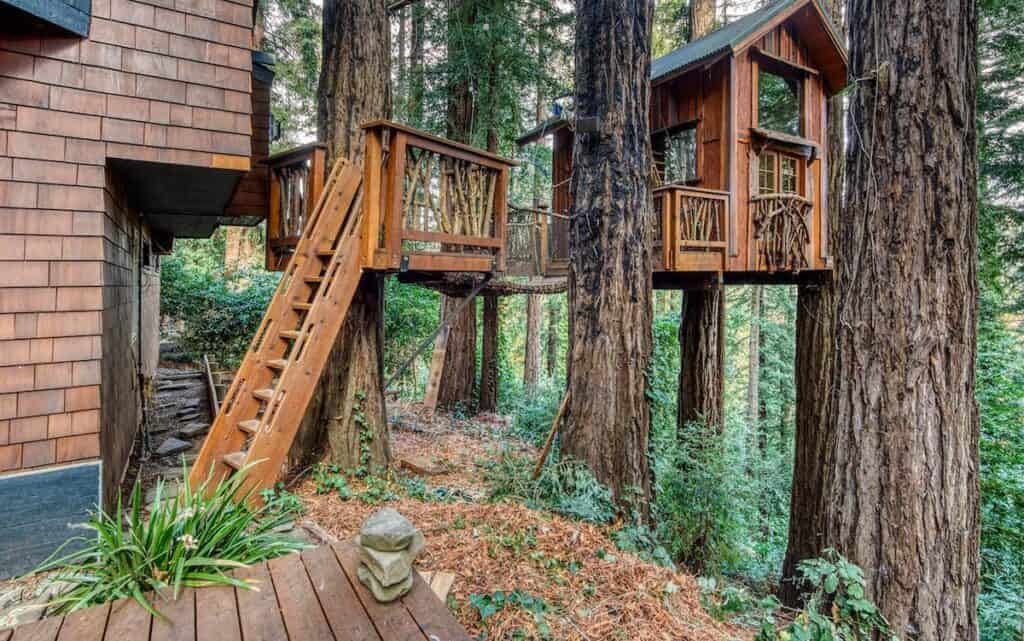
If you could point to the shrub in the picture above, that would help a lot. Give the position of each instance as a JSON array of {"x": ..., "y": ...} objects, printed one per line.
[
  {"x": 189, "y": 541},
  {"x": 220, "y": 312},
  {"x": 565, "y": 487},
  {"x": 533, "y": 411},
  {"x": 836, "y": 608}
]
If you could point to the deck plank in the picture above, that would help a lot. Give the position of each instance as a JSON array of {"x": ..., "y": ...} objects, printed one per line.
[
  {"x": 42, "y": 630},
  {"x": 85, "y": 625},
  {"x": 431, "y": 613},
  {"x": 217, "y": 615},
  {"x": 346, "y": 616},
  {"x": 257, "y": 608},
  {"x": 303, "y": 616},
  {"x": 179, "y": 620},
  {"x": 393, "y": 622},
  {"x": 128, "y": 621}
]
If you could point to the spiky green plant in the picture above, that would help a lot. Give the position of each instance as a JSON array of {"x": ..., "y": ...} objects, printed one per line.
[{"x": 191, "y": 540}]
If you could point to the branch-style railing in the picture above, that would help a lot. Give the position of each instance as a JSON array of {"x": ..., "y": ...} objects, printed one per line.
[
  {"x": 782, "y": 229},
  {"x": 296, "y": 179},
  {"x": 432, "y": 204},
  {"x": 695, "y": 220}
]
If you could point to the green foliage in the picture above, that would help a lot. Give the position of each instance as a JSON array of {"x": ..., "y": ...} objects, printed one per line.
[
  {"x": 219, "y": 311},
  {"x": 378, "y": 490},
  {"x": 292, "y": 36},
  {"x": 329, "y": 479},
  {"x": 417, "y": 488},
  {"x": 280, "y": 501},
  {"x": 635, "y": 537},
  {"x": 836, "y": 609},
  {"x": 488, "y": 605},
  {"x": 533, "y": 412},
  {"x": 734, "y": 603},
  {"x": 565, "y": 487},
  {"x": 189, "y": 541}
]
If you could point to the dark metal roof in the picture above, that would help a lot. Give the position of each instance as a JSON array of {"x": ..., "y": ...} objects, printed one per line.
[
  {"x": 548, "y": 126},
  {"x": 716, "y": 42}
]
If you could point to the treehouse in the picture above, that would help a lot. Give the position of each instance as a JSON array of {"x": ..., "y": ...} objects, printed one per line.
[{"x": 738, "y": 133}]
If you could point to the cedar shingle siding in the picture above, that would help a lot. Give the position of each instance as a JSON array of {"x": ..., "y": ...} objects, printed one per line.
[{"x": 165, "y": 81}]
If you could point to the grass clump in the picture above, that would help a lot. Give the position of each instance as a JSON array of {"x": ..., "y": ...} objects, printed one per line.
[
  {"x": 565, "y": 487},
  {"x": 191, "y": 540}
]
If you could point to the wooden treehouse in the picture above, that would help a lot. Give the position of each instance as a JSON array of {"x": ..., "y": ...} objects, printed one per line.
[
  {"x": 738, "y": 133},
  {"x": 419, "y": 205}
]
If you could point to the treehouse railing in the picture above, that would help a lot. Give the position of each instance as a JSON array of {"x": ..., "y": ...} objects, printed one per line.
[
  {"x": 296, "y": 179},
  {"x": 696, "y": 220},
  {"x": 782, "y": 229},
  {"x": 432, "y": 204}
]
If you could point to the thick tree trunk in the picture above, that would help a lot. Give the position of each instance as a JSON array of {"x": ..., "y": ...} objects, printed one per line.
[
  {"x": 702, "y": 18},
  {"x": 754, "y": 360},
  {"x": 902, "y": 491},
  {"x": 489, "y": 357},
  {"x": 702, "y": 318},
  {"x": 551, "y": 355},
  {"x": 702, "y": 346},
  {"x": 607, "y": 421},
  {"x": 348, "y": 406},
  {"x": 531, "y": 362},
  {"x": 414, "y": 107},
  {"x": 458, "y": 374},
  {"x": 815, "y": 333}
]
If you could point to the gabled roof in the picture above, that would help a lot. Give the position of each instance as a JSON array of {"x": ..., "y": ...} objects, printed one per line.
[{"x": 734, "y": 36}]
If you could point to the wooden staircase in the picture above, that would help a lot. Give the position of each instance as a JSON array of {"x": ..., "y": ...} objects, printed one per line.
[{"x": 264, "y": 407}]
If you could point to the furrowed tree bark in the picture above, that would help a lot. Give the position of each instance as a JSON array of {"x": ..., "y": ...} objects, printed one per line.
[
  {"x": 531, "y": 361},
  {"x": 702, "y": 347},
  {"x": 489, "y": 356},
  {"x": 551, "y": 355},
  {"x": 459, "y": 370},
  {"x": 815, "y": 333},
  {"x": 348, "y": 405},
  {"x": 902, "y": 490},
  {"x": 607, "y": 420},
  {"x": 702, "y": 318}
]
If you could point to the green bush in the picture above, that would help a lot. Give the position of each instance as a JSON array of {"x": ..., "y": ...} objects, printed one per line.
[
  {"x": 190, "y": 541},
  {"x": 220, "y": 312},
  {"x": 565, "y": 487},
  {"x": 533, "y": 411}
]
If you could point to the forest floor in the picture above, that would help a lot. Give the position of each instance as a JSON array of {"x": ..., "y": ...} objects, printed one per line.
[{"x": 568, "y": 579}]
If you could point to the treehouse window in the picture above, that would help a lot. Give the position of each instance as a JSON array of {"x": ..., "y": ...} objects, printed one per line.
[
  {"x": 778, "y": 103},
  {"x": 676, "y": 153},
  {"x": 766, "y": 174},
  {"x": 777, "y": 173}
]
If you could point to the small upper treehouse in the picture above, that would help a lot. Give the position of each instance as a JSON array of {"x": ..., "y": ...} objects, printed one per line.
[{"x": 738, "y": 131}]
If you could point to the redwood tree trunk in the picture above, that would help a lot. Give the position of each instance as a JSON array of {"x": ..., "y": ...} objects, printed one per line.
[
  {"x": 531, "y": 362},
  {"x": 702, "y": 319},
  {"x": 489, "y": 357},
  {"x": 607, "y": 421},
  {"x": 815, "y": 333},
  {"x": 902, "y": 496},
  {"x": 702, "y": 346},
  {"x": 348, "y": 405},
  {"x": 458, "y": 373},
  {"x": 551, "y": 355}
]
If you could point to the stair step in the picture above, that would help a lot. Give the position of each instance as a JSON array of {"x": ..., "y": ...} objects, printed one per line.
[
  {"x": 313, "y": 280},
  {"x": 277, "y": 363},
  {"x": 249, "y": 427},
  {"x": 305, "y": 307},
  {"x": 325, "y": 252},
  {"x": 235, "y": 460},
  {"x": 264, "y": 394},
  {"x": 290, "y": 334}
]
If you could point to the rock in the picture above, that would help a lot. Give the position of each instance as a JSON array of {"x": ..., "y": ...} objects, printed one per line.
[
  {"x": 387, "y": 531},
  {"x": 170, "y": 490},
  {"x": 389, "y": 568},
  {"x": 380, "y": 592},
  {"x": 172, "y": 446},
  {"x": 422, "y": 466},
  {"x": 192, "y": 430}
]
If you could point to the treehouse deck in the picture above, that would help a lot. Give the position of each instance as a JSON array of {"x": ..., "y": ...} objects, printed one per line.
[{"x": 314, "y": 596}]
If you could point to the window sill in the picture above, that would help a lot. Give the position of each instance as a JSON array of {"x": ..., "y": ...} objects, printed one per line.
[{"x": 804, "y": 146}]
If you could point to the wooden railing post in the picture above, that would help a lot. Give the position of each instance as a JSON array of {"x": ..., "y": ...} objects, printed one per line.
[{"x": 372, "y": 174}]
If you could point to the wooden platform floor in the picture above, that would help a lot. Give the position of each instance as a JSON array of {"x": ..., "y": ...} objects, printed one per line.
[{"x": 312, "y": 597}]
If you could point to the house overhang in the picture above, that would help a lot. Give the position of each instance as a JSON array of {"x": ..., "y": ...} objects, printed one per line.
[
  {"x": 68, "y": 16},
  {"x": 184, "y": 201}
]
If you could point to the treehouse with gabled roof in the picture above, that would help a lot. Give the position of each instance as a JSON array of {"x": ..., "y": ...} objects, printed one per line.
[{"x": 738, "y": 136}]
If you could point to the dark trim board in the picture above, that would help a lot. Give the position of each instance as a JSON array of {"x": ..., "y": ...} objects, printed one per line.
[
  {"x": 40, "y": 510},
  {"x": 71, "y": 15}
]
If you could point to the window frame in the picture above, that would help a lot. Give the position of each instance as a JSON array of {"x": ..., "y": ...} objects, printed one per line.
[
  {"x": 659, "y": 146},
  {"x": 779, "y": 158}
]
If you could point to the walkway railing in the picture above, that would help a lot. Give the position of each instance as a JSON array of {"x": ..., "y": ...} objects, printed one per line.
[
  {"x": 696, "y": 222},
  {"x": 782, "y": 229},
  {"x": 432, "y": 204},
  {"x": 296, "y": 179}
]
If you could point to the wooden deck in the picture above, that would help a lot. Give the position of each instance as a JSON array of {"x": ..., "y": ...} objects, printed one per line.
[{"x": 312, "y": 597}]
